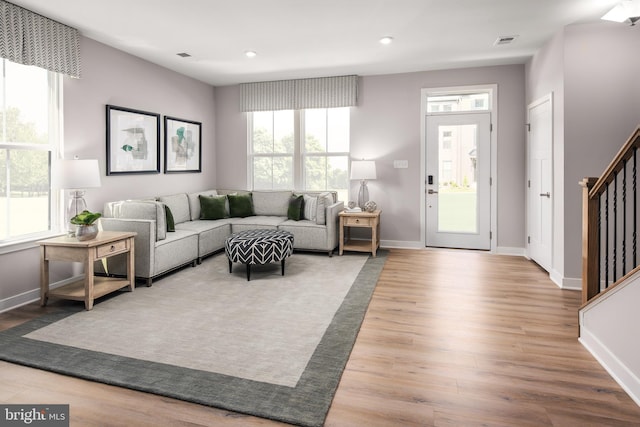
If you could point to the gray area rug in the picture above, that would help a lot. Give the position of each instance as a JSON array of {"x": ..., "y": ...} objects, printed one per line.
[{"x": 274, "y": 347}]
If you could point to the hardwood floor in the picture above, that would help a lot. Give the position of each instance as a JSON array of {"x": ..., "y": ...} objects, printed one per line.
[{"x": 451, "y": 338}]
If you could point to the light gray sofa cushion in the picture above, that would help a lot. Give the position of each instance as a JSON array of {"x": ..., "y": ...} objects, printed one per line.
[
  {"x": 256, "y": 222},
  {"x": 179, "y": 205},
  {"x": 194, "y": 202},
  {"x": 271, "y": 202}
]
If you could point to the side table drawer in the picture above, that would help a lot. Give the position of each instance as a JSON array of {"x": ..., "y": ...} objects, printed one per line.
[
  {"x": 111, "y": 248},
  {"x": 358, "y": 222}
]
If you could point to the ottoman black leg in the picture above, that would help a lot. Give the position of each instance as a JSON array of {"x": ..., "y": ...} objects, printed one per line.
[
  {"x": 230, "y": 264},
  {"x": 283, "y": 267},
  {"x": 248, "y": 272}
]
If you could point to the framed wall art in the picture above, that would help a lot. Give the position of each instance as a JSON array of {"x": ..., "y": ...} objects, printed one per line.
[
  {"x": 133, "y": 141},
  {"x": 182, "y": 145}
]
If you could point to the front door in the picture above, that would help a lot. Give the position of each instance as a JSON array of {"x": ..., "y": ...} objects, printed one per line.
[{"x": 458, "y": 211}]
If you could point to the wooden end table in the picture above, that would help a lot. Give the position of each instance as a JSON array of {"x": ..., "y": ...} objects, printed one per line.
[
  {"x": 369, "y": 220},
  {"x": 105, "y": 245}
]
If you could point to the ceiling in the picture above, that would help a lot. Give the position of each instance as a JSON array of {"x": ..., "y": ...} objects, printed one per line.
[{"x": 317, "y": 38}]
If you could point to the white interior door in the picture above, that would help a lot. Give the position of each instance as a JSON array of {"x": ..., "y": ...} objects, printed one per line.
[
  {"x": 540, "y": 182},
  {"x": 458, "y": 210}
]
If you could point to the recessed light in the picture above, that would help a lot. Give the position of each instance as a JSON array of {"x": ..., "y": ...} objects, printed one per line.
[
  {"x": 250, "y": 54},
  {"x": 386, "y": 40}
]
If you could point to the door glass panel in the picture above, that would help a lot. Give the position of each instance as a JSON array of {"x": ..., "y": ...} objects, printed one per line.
[{"x": 457, "y": 183}]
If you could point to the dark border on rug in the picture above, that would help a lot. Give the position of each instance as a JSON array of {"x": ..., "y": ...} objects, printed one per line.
[{"x": 306, "y": 404}]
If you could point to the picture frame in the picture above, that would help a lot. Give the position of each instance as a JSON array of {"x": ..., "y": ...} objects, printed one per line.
[
  {"x": 182, "y": 145},
  {"x": 133, "y": 141}
]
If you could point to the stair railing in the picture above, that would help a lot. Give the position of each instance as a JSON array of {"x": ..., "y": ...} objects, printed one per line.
[{"x": 610, "y": 222}]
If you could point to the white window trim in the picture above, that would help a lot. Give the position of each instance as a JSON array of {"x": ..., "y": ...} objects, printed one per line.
[
  {"x": 55, "y": 147},
  {"x": 299, "y": 155}
]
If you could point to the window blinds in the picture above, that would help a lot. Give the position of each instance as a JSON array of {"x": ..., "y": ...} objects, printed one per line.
[
  {"x": 31, "y": 39},
  {"x": 324, "y": 92}
]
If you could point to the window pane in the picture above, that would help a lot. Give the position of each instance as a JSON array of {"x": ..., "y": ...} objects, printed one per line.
[
  {"x": 24, "y": 196},
  {"x": 337, "y": 177},
  {"x": 315, "y": 130},
  {"x": 338, "y": 139},
  {"x": 283, "y": 173},
  {"x": 262, "y": 173},
  {"x": 26, "y": 108},
  {"x": 272, "y": 132},
  {"x": 326, "y": 173},
  {"x": 262, "y": 132},
  {"x": 283, "y": 129},
  {"x": 460, "y": 102},
  {"x": 315, "y": 172},
  {"x": 270, "y": 173}
]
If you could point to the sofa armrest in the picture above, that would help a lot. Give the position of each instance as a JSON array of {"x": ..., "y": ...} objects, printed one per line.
[
  {"x": 332, "y": 218},
  {"x": 140, "y": 209},
  {"x": 144, "y": 240}
]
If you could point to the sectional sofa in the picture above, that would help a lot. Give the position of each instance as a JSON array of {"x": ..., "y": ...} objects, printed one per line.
[{"x": 175, "y": 230}]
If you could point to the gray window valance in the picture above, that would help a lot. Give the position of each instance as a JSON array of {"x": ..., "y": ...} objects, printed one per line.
[
  {"x": 31, "y": 39},
  {"x": 324, "y": 92}
]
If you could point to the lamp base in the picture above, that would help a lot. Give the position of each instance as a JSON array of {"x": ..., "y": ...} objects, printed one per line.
[
  {"x": 77, "y": 204},
  {"x": 363, "y": 194}
]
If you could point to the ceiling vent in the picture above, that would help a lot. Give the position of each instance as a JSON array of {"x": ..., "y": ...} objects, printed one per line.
[
  {"x": 183, "y": 55},
  {"x": 504, "y": 40}
]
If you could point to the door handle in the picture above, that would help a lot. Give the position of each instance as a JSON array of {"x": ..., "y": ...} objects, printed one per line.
[
  {"x": 430, "y": 191},
  {"x": 547, "y": 195}
]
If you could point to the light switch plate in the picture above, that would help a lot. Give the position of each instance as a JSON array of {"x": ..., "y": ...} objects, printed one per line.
[{"x": 401, "y": 164}]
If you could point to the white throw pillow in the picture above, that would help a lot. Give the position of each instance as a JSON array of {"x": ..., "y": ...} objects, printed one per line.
[{"x": 310, "y": 207}]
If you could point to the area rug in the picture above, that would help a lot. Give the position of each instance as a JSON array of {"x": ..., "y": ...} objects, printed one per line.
[{"x": 274, "y": 347}]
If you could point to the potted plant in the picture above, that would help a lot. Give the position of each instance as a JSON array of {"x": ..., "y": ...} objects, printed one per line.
[{"x": 86, "y": 229}]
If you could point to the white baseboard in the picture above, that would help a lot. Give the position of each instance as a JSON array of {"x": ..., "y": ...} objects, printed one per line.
[
  {"x": 618, "y": 370},
  {"x": 400, "y": 244},
  {"x": 32, "y": 295},
  {"x": 571, "y": 283},
  {"x": 506, "y": 250}
]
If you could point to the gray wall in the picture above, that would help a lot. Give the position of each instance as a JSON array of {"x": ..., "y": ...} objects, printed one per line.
[
  {"x": 385, "y": 126},
  {"x": 593, "y": 70},
  {"x": 111, "y": 76},
  {"x": 545, "y": 75},
  {"x": 602, "y": 108}
]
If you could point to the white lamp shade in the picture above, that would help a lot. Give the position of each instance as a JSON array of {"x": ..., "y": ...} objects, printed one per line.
[
  {"x": 363, "y": 169},
  {"x": 79, "y": 174},
  {"x": 623, "y": 11}
]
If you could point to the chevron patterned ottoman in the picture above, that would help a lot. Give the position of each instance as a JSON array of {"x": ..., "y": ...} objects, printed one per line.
[{"x": 258, "y": 247}]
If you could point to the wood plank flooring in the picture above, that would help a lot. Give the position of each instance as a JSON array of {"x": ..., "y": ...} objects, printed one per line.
[{"x": 451, "y": 338}]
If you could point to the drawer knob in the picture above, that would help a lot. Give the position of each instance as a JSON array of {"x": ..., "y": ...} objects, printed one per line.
[
  {"x": 357, "y": 220},
  {"x": 113, "y": 248}
]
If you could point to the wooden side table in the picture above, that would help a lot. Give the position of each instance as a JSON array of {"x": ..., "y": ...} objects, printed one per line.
[
  {"x": 369, "y": 220},
  {"x": 105, "y": 245}
]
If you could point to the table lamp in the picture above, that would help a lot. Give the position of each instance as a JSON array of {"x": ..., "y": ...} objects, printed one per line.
[
  {"x": 363, "y": 170},
  {"x": 77, "y": 175}
]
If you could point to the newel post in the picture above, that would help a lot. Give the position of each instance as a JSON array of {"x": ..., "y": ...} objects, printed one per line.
[{"x": 590, "y": 261}]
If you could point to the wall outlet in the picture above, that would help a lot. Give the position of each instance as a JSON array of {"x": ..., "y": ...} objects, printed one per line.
[{"x": 401, "y": 164}]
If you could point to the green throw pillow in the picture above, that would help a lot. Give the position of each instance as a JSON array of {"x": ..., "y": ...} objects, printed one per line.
[
  {"x": 296, "y": 208},
  {"x": 212, "y": 207},
  {"x": 240, "y": 205},
  {"x": 171, "y": 225}
]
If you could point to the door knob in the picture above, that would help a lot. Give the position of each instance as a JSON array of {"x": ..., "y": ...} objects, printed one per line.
[
  {"x": 547, "y": 195},
  {"x": 430, "y": 191}
]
